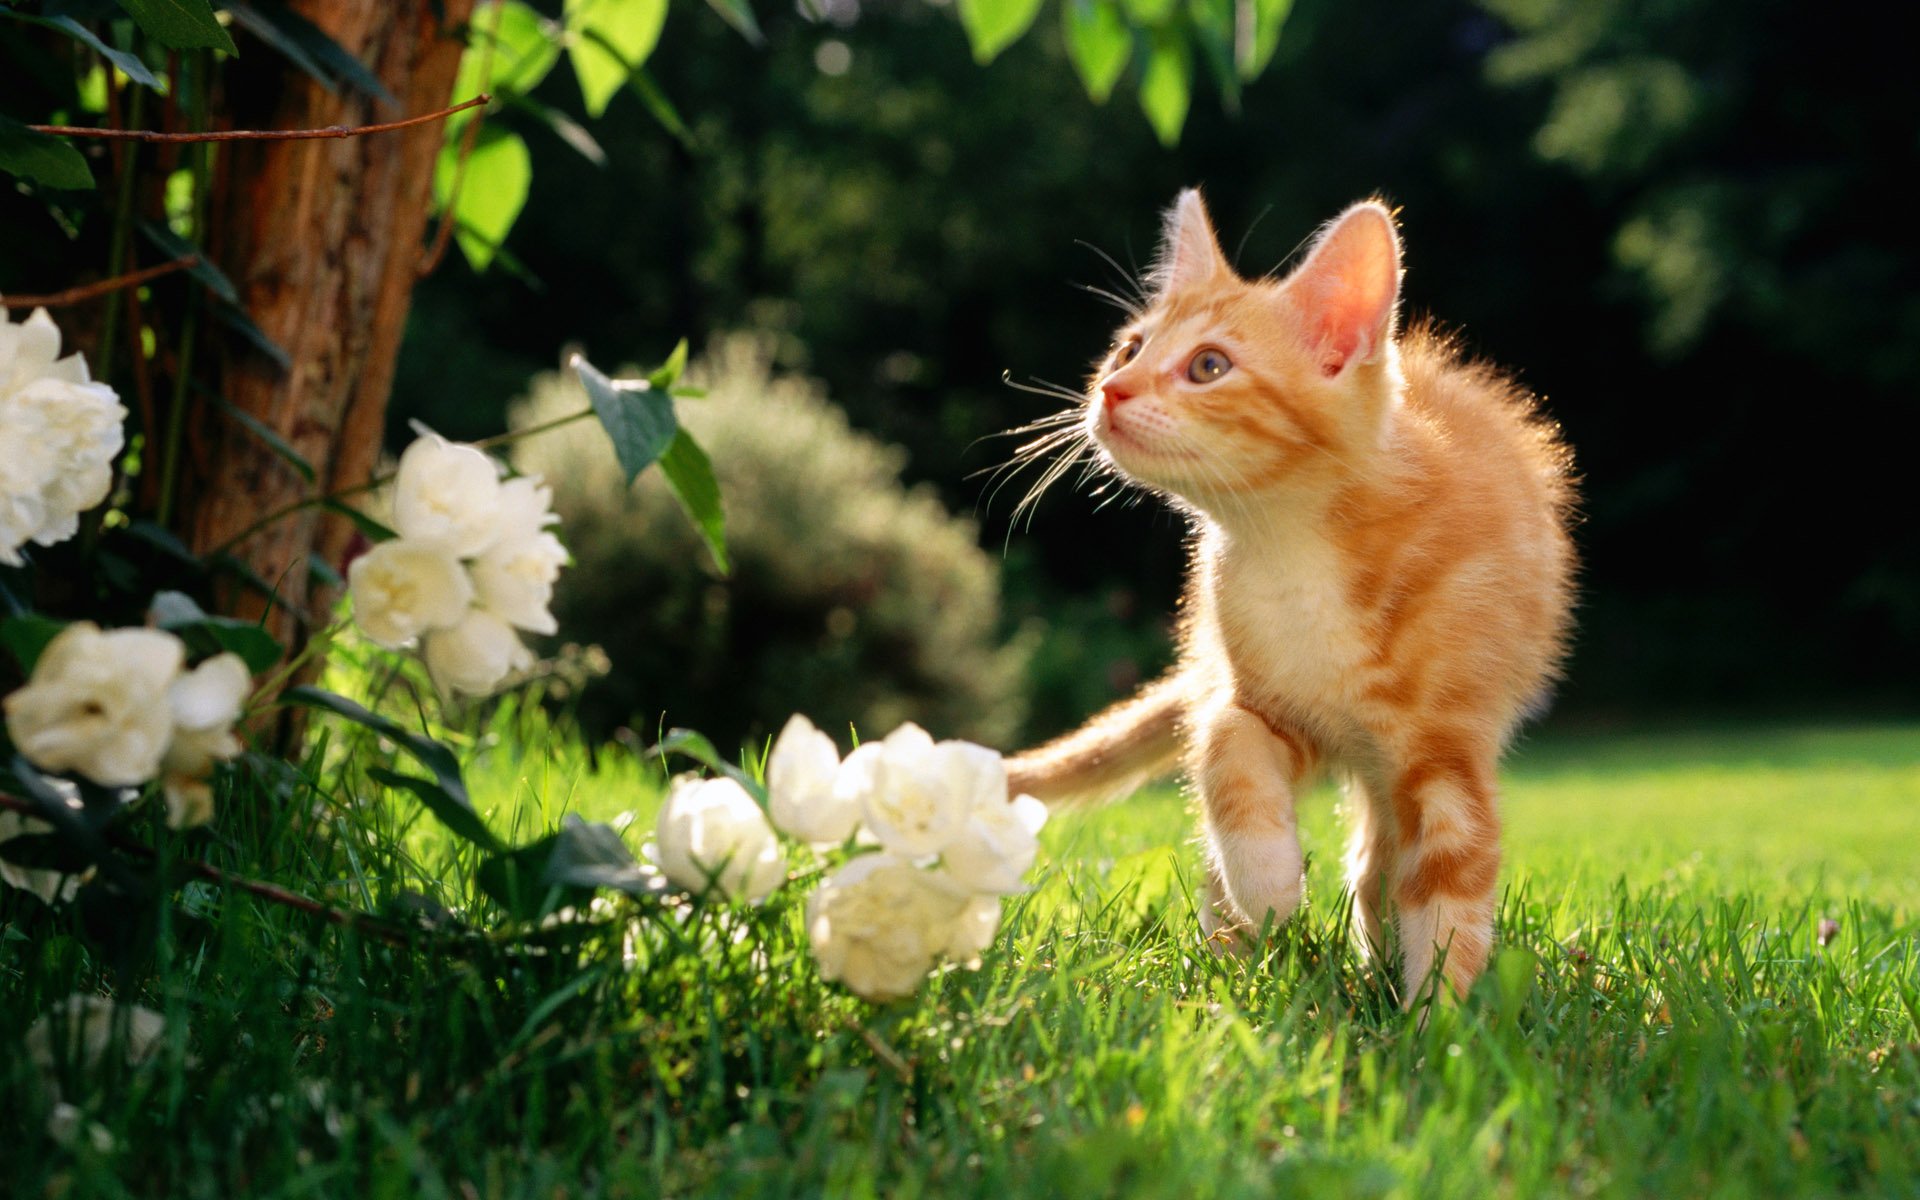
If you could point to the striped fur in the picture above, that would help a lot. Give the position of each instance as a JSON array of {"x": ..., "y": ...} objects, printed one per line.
[{"x": 1380, "y": 585}]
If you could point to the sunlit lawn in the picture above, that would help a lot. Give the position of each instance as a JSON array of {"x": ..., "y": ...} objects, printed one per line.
[{"x": 1660, "y": 1021}]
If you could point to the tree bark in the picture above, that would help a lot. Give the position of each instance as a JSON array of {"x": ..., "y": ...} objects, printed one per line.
[{"x": 323, "y": 240}]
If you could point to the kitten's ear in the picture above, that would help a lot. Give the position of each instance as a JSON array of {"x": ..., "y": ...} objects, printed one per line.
[
  {"x": 1189, "y": 252},
  {"x": 1349, "y": 285}
]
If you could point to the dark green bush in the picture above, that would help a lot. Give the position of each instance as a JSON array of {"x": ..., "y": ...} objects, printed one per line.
[{"x": 853, "y": 598}]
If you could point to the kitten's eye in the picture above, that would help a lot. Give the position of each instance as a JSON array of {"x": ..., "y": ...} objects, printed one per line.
[
  {"x": 1125, "y": 354},
  {"x": 1208, "y": 365}
]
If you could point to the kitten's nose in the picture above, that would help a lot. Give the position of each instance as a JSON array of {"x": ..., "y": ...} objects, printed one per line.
[{"x": 1115, "y": 394}]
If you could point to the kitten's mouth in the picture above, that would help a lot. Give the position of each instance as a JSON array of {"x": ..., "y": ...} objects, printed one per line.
[{"x": 1108, "y": 430}]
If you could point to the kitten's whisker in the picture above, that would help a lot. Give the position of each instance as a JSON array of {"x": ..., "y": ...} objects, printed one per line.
[
  {"x": 1041, "y": 387},
  {"x": 1132, "y": 279},
  {"x": 1130, "y": 307}
]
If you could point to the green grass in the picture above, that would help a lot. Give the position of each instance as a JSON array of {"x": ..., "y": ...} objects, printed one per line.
[{"x": 1659, "y": 1021}]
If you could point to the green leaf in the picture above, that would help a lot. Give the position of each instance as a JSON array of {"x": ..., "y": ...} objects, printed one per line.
[
  {"x": 638, "y": 419},
  {"x": 129, "y": 64},
  {"x": 455, "y": 812},
  {"x": 42, "y": 158},
  {"x": 73, "y": 823},
  {"x": 562, "y": 126},
  {"x": 661, "y": 107},
  {"x": 993, "y": 25},
  {"x": 1148, "y": 12},
  {"x": 174, "y": 246},
  {"x": 517, "y": 881},
  {"x": 691, "y": 743},
  {"x": 494, "y": 190},
  {"x": 690, "y": 474},
  {"x": 1098, "y": 42},
  {"x": 592, "y": 855},
  {"x": 565, "y": 868},
  {"x": 268, "y": 438},
  {"x": 211, "y": 277},
  {"x": 374, "y": 530},
  {"x": 1269, "y": 16},
  {"x": 436, "y": 758},
  {"x": 669, "y": 372},
  {"x": 610, "y": 39},
  {"x": 1214, "y": 25},
  {"x": 308, "y": 47},
  {"x": 45, "y": 852},
  {"x": 1166, "y": 87},
  {"x": 525, "y": 47},
  {"x": 739, "y": 14},
  {"x": 180, "y": 24},
  {"x": 25, "y": 637},
  {"x": 207, "y": 635}
]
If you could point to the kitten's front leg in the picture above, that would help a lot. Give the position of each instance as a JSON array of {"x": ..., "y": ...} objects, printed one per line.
[
  {"x": 1245, "y": 772},
  {"x": 1448, "y": 827}
]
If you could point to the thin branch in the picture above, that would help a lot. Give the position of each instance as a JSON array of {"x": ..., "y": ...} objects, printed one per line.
[
  {"x": 367, "y": 923},
  {"x": 256, "y": 135},
  {"x": 88, "y": 291},
  {"x": 443, "y": 234}
]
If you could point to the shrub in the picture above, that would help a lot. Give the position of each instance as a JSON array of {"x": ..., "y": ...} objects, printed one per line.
[{"x": 852, "y": 596}]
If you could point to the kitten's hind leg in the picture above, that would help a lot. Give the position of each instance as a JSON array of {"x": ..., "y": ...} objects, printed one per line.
[
  {"x": 1246, "y": 773},
  {"x": 1369, "y": 862},
  {"x": 1448, "y": 866}
]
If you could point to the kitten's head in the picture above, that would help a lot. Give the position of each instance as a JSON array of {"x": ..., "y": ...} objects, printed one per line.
[{"x": 1223, "y": 386}]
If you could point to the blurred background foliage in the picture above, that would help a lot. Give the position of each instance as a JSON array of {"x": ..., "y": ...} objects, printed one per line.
[
  {"x": 851, "y": 596},
  {"x": 1670, "y": 217}
]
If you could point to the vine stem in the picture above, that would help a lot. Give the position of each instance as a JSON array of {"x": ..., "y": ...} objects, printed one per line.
[
  {"x": 306, "y": 502},
  {"x": 256, "y": 135},
  {"x": 272, "y": 892},
  {"x": 89, "y": 291}
]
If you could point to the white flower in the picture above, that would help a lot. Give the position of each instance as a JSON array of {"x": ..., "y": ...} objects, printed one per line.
[
  {"x": 97, "y": 704},
  {"x": 973, "y": 930},
  {"x": 917, "y": 795},
  {"x": 80, "y": 1030},
  {"x": 802, "y": 798},
  {"x": 53, "y": 887},
  {"x": 447, "y": 492},
  {"x": 879, "y": 924},
  {"x": 473, "y": 656},
  {"x": 206, "y": 702},
  {"x": 998, "y": 846},
  {"x": 710, "y": 830},
  {"x": 514, "y": 580},
  {"x": 402, "y": 588},
  {"x": 61, "y": 432},
  {"x": 67, "y": 1124}
]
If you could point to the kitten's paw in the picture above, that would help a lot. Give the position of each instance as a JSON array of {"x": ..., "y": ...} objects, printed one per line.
[{"x": 1262, "y": 875}]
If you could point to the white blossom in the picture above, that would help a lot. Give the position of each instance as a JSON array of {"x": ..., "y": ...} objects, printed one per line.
[
  {"x": 803, "y": 771},
  {"x": 449, "y": 493},
  {"x": 80, "y": 1030},
  {"x": 514, "y": 580},
  {"x": 61, "y": 432},
  {"x": 97, "y": 704},
  {"x": 475, "y": 655},
  {"x": 53, "y": 887},
  {"x": 711, "y": 831},
  {"x": 997, "y": 846},
  {"x": 405, "y": 587},
  {"x": 917, "y": 795},
  {"x": 973, "y": 930},
  {"x": 206, "y": 702},
  {"x": 879, "y": 925}
]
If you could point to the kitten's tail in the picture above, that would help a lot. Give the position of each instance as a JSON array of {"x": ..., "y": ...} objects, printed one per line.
[{"x": 1110, "y": 755}]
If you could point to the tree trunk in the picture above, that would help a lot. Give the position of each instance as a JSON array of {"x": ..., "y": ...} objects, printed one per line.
[{"x": 323, "y": 240}]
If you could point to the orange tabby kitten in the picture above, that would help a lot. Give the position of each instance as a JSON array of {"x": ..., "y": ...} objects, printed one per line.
[{"x": 1380, "y": 582}]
